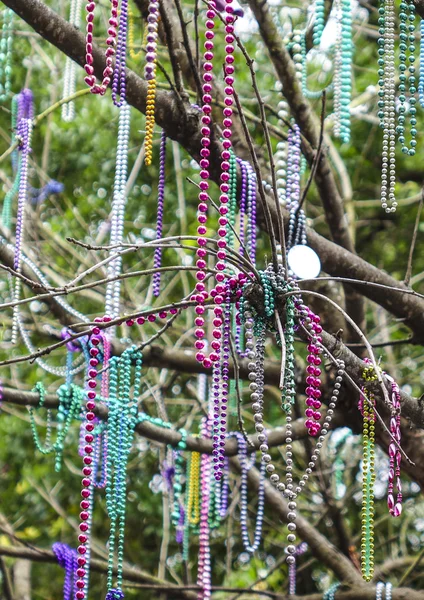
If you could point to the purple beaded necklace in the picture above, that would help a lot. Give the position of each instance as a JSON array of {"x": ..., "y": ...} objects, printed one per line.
[
  {"x": 300, "y": 549},
  {"x": 119, "y": 76},
  {"x": 395, "y": 457},
  {"x": 204, "y": 562},
  {"x": 157, "y": 261},
  {"x": 67, "y": 558},
  {"x": 24, "y": 134}
]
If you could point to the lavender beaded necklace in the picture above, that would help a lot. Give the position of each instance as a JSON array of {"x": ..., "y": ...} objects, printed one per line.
[
  {"x": 157, "y": 261},
  {"x": 24, "y": 134}
]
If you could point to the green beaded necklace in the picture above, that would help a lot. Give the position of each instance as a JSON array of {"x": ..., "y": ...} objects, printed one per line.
[
  {"x": 6, "y": 42},
  {"x": 120, "y": 432},
  {"x": 70, "y": 402},
  {"x": 407, "y": 64}
]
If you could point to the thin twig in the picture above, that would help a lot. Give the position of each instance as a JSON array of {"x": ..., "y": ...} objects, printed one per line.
[{"x": 408, "y": 274}]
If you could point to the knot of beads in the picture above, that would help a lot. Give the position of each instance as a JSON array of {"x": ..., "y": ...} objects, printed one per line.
[{"x": 115, "y": 594}]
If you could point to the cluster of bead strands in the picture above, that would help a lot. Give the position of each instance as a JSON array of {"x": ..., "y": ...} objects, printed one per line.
[
  {"x": 70, "y": 401},
  {"x": 379, "y": 591},
  {"x": 288, "y": 488},
  {"x": 69, "y": 77},
  {"x": 395, "y": 457},
  {"x": 113, "y": 288},
  {"x": 300, "y": 549},
  {"x": 297, "y": 219},
  {"x": 407, "y": 64},
  {"x": 123, "y": 408},
  {"x": 87, "y": 471},
  {"x": 386, "y": 103},
  {"x": 90, "y": 78},
  {"x": 421, "y": 77},
  {"x": 24, "y": 133},
  {"x": 204, "y": 562},
  {"x": 245, "y": 466},
  {"x": 247, "y": 210},
  {"x": 67, "y": 559},
  {"x": 343, "y": 69},
  {"x": 157, "y": 260},
  {"x": 150, "y": 76},
  {"x": 6, "y": 43},
  {"x": 368, "y": 476}
]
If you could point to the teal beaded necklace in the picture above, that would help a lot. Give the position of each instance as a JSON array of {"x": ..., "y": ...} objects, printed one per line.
[
  {"x": 70, "y": 402},
  {"x": 407, "y": 64},
  {"x": 120, "y": 432},
  {"x": 6, "y": 43}
]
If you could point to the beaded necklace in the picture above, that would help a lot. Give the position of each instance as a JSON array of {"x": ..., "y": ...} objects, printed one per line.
[
  {"x": 368, "y": 477},
  {"x": 421, "y": 77},
  {"x": 343, "y": 69},
  {"x": 7, "y": 204},
  {"x": 87, "y": 470},
  {"x": 245, "y": 466},
  {"x": 113, "y": 288},
  {"x": 120, "y": 431},
  {"x": 204, "y": 561},
  {"x": 193, "y": 486},
  {"x": 157, "y": 260},
  {"x": 407, "y": 64},
  {"x": 70, "y": 401},
  {"x": 300, "y": 549},
  {"x": 25, "y": 115},
  {"x": 70, "y": 75},
  {"x": 395, "y": 457},
  {"x": 131, "y": 44},
  {"x": 330, "y": 594},
  {"x": 387, "y": 589},
  {"x": 6, "y": 45},
  {"x": 90, "y": 78},
  {"x": 150, "y": 76},
  {"x": 67, "y": 558}
]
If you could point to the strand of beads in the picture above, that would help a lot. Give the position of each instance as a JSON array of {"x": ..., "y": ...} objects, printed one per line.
[
  {"x": 133, "y": 53},
  {"x": 343, "y": 70},
  {"x": 70, "y": 75},
  {"x": 368, "y": 477},
  {"x": 193, "y": 506},
  {"x": 386, "y": 103},
  {"x": 70, "y": 401},
  {"x": 204, "y": 562},
  {"x": 203, "y": 197},
  {"x": 221, "y": 379},
  {"x": 7, "y": 204},
  {"x": 157, "y": 260},
  {"x": 313, "y": 381},
  {"x": 150, "y": 76},
  {"x": 90, "y": 78},
  {"x": 67, "y": 559},
  {"x": 121, "y": 424},
  {"x": 24, "y": 133},
  {"x": 395, "y": 457},
  {"x": 318, "y": 22},
  {"x": 250, "y": 547},
  {"x": 178, "y": 477},
  {"x": 407, "y": 63},
  {"x": 300, "y": 549},
  {"x": 379, "y": 591},
  {"x": 113, "y": 288},
  {"x": 119, "y": 78},
  {"x": 6, "y": 44},
  {"x": 330, "y": 594},
  {"x": 421, "y": 77},
  {"x": 87, "y": 486}
]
